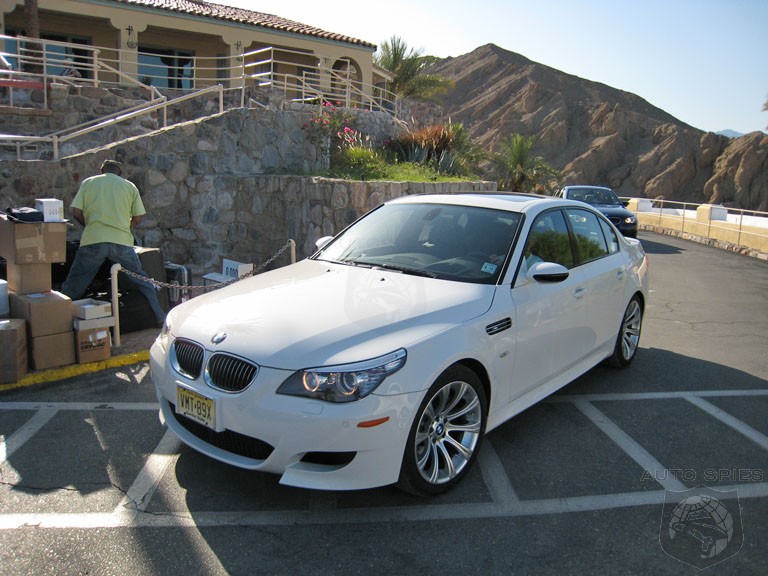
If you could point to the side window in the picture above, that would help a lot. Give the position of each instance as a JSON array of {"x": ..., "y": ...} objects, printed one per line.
[
  {"x": 589, "y": 234},
  {"x": 549, "y": 241},
  {"x": 610, "y": 237}
]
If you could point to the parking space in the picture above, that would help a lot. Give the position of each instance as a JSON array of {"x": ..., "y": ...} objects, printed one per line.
[{"x": 591, "y": 465}]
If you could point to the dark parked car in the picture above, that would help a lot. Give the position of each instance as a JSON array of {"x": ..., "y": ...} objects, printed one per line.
[{"x": 605, "y": 200}]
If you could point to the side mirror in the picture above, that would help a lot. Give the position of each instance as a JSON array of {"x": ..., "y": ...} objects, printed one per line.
[
  {"x": 548, "y": 272},
  {"x": 323, "y": 242}
]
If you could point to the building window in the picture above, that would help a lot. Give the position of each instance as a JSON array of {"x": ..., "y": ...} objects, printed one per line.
[
  {"x": 56, "y": 55},
  {"x": 166, "y": 68}
]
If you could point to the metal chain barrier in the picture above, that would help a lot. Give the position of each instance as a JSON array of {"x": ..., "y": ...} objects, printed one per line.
[{"x": 173, "y": 286}]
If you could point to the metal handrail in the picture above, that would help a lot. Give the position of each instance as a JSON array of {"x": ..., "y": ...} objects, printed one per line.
[
  {"x": 316, "y": 83},
  {"x": 58, "y": 138},
  {"x": 143, "y": 110}
]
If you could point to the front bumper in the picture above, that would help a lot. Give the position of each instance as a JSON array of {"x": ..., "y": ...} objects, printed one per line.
[{"x": 311, "y": 444}]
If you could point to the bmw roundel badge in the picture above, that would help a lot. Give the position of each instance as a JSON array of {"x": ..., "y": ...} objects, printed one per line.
[{"x": 219, "y": 337}]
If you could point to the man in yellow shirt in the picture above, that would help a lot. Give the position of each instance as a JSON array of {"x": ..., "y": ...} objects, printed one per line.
[{"x": 108, "y": 206}]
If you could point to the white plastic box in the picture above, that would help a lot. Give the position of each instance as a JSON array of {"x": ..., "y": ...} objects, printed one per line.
[
  {"x": 89, "y": 308},
  {"x": 234, "y": 269},
  {"x": 52, "y": 209}
]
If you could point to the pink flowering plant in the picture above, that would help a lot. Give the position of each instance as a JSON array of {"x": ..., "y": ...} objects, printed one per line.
[{"x": 331, "y": 122}]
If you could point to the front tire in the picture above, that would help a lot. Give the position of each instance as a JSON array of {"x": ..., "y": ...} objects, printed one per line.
[
  {"x": 629, "y": 335},
  {"x": 446, "y": 434}
]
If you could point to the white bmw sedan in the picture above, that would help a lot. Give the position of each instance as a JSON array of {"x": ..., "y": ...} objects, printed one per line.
[{"x": 387, "y": 355}]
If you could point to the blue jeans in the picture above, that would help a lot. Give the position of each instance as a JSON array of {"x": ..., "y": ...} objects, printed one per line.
[{"x": 89, "y": 259}]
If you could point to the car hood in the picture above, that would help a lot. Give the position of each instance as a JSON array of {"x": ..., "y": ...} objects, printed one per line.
[
  {"x": 612, "y": 210},
  {"x": 316, "y": 313}
]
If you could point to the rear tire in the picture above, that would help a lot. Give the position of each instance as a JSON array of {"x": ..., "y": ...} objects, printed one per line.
[
  {"x": 629, "y": 335},
  {"x": 446, "y": 433}
]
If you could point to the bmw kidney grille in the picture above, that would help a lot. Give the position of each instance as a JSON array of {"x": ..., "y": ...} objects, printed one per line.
[{"x": 222, "y": 371}]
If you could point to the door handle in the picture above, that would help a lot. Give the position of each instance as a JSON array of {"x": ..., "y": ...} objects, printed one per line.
[
  {"x": 578, "y": 293},
  {"x": 620, "y": 274}
]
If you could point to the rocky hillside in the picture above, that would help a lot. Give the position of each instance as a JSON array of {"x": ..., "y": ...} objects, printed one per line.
[{"x": 596, "y": 134}]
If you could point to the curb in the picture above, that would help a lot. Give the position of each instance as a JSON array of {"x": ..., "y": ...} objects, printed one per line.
[{"x": 77, "y": 370}]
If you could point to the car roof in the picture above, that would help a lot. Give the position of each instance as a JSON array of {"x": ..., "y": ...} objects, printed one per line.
[
  {"x": 511, "y": 201},
  {"x": 590, "y": 186}
]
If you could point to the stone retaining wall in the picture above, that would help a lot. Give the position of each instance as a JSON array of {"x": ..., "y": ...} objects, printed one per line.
[{"x": 224, "y": 186}]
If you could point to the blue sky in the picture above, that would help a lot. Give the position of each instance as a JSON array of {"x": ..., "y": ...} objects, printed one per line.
[{"x": 703, "y": 61}]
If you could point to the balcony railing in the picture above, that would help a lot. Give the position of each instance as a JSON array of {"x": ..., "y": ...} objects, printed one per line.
[
  {"x": 294, "y": 76},
  {"x": 298, "y": 75}
]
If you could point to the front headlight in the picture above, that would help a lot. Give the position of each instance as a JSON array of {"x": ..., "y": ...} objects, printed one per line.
[
  {"x": 166, "y": 329},
  {"x": 630, "y": 220},
  {"x": 343, "y": 383}
]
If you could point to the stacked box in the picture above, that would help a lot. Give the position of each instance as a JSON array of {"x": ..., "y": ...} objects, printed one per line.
[
  {"x": 51, "y": 351},
  {"x": 29, "y": 278},
  {"x": 49, "y": 327},
  {"x": 33, "y": 242},
  {"x": 13, "y": 350},
  {"x": 30, "y": 248},
  {"x": 88, "y": 308},
  {"x": 92, "y": 345},
  {"x": 92, "y": 319}
]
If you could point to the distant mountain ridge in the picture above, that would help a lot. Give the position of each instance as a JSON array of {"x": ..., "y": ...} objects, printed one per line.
[{"x": 596, "y": 134}]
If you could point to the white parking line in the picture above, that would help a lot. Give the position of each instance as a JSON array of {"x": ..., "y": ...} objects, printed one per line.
[
  {"x": 496, "y": 478},
  {"x": 130, "y": 512},
  {"x": 25, "y": 432},
  {"x": 630, "y": 446},
  {"x": 745, "y": 429},
  {"x": 359, "y": 515},
  {"x": 143, "y": 488},
  {"x": 79, "y": 405}
]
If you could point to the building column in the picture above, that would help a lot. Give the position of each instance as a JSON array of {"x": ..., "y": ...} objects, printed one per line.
[
  {"x": 236, "y": 46},
  {"x": 128, "y": 53}
]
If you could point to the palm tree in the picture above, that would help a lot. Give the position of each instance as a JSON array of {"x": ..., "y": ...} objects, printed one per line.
[
  {"x": 517, "y": 170},
  {"x": 407, "y": 65}
]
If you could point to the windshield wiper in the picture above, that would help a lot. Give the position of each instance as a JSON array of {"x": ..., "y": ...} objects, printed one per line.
[{"x": 406, "y": 270}]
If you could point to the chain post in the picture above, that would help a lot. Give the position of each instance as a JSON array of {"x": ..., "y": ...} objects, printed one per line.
[{"x": 115, "y": 303}]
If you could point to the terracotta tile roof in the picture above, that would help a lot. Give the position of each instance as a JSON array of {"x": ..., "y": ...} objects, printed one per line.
[{"x": 242, "y": 16}]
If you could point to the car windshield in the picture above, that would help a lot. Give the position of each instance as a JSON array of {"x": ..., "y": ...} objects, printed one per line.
[
  {"x": 594, "y": 196},
  {"x": 445, "y": 241}
]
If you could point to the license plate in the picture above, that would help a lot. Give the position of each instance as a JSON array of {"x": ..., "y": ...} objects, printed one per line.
[{"x": 196, "y": 406}]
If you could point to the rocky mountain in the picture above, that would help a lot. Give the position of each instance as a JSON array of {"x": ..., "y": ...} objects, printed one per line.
[{"x": 596, "y": 134}]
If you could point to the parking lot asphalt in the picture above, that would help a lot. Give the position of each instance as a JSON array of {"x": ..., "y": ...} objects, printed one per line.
[{"x": 661, "y": 468}]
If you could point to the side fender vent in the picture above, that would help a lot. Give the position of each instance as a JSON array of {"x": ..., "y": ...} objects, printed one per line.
[{"x": 498, "y": 326}]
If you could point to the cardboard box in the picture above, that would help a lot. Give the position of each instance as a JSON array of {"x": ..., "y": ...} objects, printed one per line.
[
  {"x": 92, "y": 345},
  {"x": 29, "y": 278},
  {"x": 51, "y": 351},
  {"x": 80, "y": 324},
  {"x": 33, "y": 242},
  {"x": 88, "y": 308},
  {"x": 13, "y": 350},
  {"x": 52, "y": 209},
  {"x": 46, "y": 313}
]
